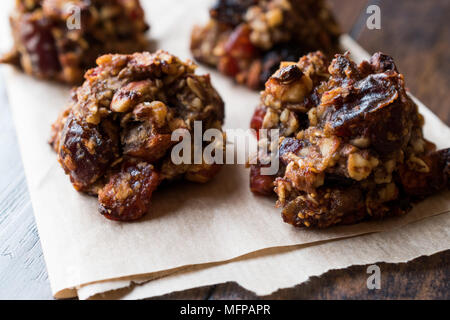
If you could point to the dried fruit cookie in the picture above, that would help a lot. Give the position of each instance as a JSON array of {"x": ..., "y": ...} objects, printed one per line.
[
  {"x": 60, "y": 39},
  {"x": 351, "y": 145},
  {"x": 115, "y": 138},
  {"x": 247, "y": 39}
]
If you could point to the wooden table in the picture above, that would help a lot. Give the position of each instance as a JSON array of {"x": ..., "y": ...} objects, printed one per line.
[{"x": 415, "y": 32}]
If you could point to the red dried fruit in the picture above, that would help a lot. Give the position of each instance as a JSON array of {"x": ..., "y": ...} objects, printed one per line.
[
  {"x": 261, "y": 184},
  {"x": 257, "y": 120},
  {"x": 126, "y": 196}
]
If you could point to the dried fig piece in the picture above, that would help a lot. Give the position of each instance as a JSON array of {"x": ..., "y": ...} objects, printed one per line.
[{"x": 86, "y": 151}]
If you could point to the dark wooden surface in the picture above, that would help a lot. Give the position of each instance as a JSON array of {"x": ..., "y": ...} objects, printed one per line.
[
  {"x": 422, "y": 278},
  {"x": 415, "y": 32}
]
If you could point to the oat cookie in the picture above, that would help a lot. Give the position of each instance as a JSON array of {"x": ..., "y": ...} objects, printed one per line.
[
  {"x": 114, "y": 140},
  {"x": 351, "y": 145}
]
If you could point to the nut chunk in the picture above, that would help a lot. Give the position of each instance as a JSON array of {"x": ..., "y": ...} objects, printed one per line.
[
  {"x": 247, "y": 39},
  {"x": 60, "y": 39},
  {"x": 351, "y": 145},
  {"x": 115, "y": 138}
]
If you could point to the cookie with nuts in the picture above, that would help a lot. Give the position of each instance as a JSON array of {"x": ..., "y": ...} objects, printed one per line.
[
  {"x": 351, "y": 146},
  {"x": 247, "y": 39},
  {"x": 115, "y": 138},
  {"x": 60, "y": 40}
]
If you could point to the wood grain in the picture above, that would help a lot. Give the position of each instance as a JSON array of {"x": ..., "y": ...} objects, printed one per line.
[
  {"x": 23, "y": 274},
  {"x": 421, "y": 278},
  {"x": 414, "y": 32},
  {"x": 417, "y": 34}
]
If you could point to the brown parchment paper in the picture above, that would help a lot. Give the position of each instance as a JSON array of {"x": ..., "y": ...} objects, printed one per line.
[
  {"x": 269, "y": 270},
  {"x": 188, "y": 224}
]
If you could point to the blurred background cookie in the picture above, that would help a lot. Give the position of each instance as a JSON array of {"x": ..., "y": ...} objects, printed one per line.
[{"x": 60, "y": 39}]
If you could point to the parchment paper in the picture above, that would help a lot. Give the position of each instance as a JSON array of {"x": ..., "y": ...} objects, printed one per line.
[
  {"x": 188, "y": 224},
  {"x": 269, "y": 270}
]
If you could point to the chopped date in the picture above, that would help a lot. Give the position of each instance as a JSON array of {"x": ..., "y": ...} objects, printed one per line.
[
  {"x": 257, "y": 120},
  {"x": 142, "y": 141},
  {"x": 86, "y": 151},
  {"x": 126, "y": 196},
  {"x": 38, "y": 41}
]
